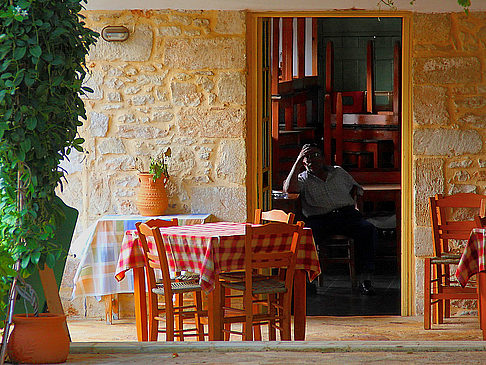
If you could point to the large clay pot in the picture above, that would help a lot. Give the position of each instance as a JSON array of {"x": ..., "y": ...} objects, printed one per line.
[
  {"x": 39, "y": 340},
  {"x": 151, "y": 197}
]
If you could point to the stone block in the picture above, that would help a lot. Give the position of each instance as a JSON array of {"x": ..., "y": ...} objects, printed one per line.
[
  {"x": 182, "y": 162},
  {"x": 98, "y": 124},
  {"x": 185, "y": 94},
  {"x": 231, "y": 164},
  {"x": 430, "y": 105},
  {"x": 446, "y": 142},
  {"x": 225, "y": 203},
  {"x": 72, "y": 192},
  {"x": 446, "y": 70},
  {"x": 201, "y": 53},
  {"x": 477, "y": 121},
  {"x": 431, "y": 28},
  {"x": 73, "y": 162},
  {"x": 140, "y": 132},
  {"x": 460, "y": 164},
  {"x": 470, "y": 103},
  {"x": 138, "y": 47},
  {"x": 94, "y": 80},
  {"x": 428, "y": 181},
  {"x": 142, "y": 99},
  {"x": 212, "y": 122},
  {"x": 99, "y": 196},
  {"x": 423, "y": 243},
  {"x": 111, "y": 145},
  {"x": 232, "y": 88},
  {"x": 461, "y": 176},
  {"x": 230, "y": 22},
  {"x": 163, "y": 116},
  {"x": 461, "y": 188},
  {"x": 170, "y": 31},
  {"x": 114, "y": 97},
  {"x": 122, "y": 163}
]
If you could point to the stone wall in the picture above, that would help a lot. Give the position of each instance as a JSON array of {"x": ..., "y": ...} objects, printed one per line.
[
  {"x": 178, "y": 81},
  {"x": 449, "y": 116}
]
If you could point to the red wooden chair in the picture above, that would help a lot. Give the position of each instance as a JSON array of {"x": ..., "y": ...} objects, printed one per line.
[
  {"x": 450, "y": 223},
  {"x": 175, "y": 313},
  {"x": 276, "y": 288},
  {"x": 275, "y": 215}
]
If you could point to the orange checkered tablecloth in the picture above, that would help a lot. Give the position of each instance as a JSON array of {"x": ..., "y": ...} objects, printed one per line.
[
  {"x": 473, "y": 259},
  {"x": 209, "y": 248}
]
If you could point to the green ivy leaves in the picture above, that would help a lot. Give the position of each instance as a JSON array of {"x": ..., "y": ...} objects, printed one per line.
[{"x": 43, "y": 45}]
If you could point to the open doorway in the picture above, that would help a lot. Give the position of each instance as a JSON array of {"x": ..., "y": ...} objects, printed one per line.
[{"x": 336, "y": 82}]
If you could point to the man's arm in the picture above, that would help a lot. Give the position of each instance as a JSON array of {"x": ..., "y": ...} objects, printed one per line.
[{"x": 291, "y": 184}]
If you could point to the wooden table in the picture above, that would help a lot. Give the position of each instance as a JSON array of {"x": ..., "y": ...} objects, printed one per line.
[
  {"x": 207, "y": 249},
  {"x": 473, "y": 261},
  {"x": 98, "y": 249}
]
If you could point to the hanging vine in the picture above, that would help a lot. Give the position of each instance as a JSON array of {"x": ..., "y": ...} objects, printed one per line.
[
  {"x": 465, "y": 4},
  {"x": 43, "y": 44}
]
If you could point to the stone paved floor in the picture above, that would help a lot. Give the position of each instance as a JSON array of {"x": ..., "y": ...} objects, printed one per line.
[
  {"x": 377, "y": 328},
  {"x": 311, "y": 358},
  {"x": 331, "y": 340}
]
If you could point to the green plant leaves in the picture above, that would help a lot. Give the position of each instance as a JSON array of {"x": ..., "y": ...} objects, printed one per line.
[
  {"x": 18, "y": 53},
  {"x": 35, "y": 51},
  {"x": 43, "y": 46}
]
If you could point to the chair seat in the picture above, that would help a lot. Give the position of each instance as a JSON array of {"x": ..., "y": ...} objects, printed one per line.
[
  {"x": 239, "y": 276},
  {"x": 264, "y": 286},
  {"x": 178, "y": 287},
  {"x": 187, "y": 276},
  {"x": 444, "y": 260}
]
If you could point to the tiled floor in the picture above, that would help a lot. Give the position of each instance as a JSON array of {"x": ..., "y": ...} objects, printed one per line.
[{"x": 337, "y": 298}]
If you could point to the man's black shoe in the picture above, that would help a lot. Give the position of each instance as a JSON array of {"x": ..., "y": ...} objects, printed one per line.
[{"x": 366, "y": 288}]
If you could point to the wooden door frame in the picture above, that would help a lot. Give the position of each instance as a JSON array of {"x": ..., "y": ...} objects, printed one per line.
[{"x": 253, "y": 52}]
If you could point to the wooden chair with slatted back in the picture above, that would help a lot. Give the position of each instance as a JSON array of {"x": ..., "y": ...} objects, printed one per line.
[
  {"x": 481, "y": 218},
  {"x": 167, "y": 287},
  {"x": 452, "y": 221},
  {"x": 276, "y": 288},
  {"x": 275, "y": 215}
]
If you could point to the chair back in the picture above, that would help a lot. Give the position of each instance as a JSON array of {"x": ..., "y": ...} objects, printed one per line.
[
  {"x": 452, "y": 218},
  {"x": 278, "y": 258},
  {"x": 481, "y": 218},
  {"x": 275, "y": 215},
  {"x": 158, "y": 260}
]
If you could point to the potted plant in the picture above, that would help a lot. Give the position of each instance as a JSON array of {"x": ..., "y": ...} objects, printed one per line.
[
  {"x": 152, "y": 196},
  {"x": 43, "y": 45}
]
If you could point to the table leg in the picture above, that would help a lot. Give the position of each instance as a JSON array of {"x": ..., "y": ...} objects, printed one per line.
[
  {"x": 299, "y": 305},
  {"x": 215, "y": 313},
  {"x": 112, "y": 307},
  {"x": 140, "y": 303},
  {"x": 108, "y": 299},
  {"x": 482, "y": 302}
]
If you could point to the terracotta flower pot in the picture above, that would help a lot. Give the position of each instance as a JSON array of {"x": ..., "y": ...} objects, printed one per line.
[
  {"x": 152, "y": 196},
  {"x": 39, "y": 340}
]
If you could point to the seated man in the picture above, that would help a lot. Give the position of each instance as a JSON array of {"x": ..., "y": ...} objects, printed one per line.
[{"x": 327, "y": 196}]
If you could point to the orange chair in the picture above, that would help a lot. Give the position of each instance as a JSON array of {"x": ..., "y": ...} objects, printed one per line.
[
  {"x": 448, "y": 224},
  {"x": 175, "y": 314},
  {"x": 276, "y": 288},
  {"x": 275, "y": 215}
]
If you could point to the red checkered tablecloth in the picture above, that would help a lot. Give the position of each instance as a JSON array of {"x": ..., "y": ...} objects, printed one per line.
[
  {"x": 212, "y": 247},
  {"x": 473, "y": 259}
]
